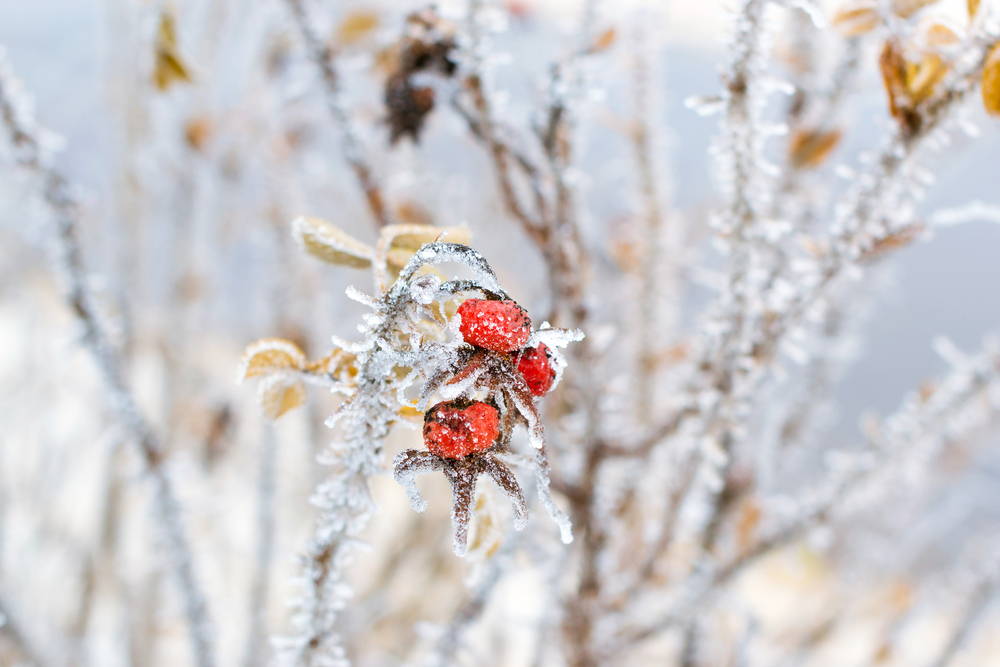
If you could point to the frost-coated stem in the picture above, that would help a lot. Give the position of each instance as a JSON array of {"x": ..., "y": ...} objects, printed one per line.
[
  {"x": 10, "y": 629},
  {"x": 264, "y": 550},
  {"x": 323, "y": 57},
  {"x": 975, "y": 606},
  {"x": 28, "y": 153}
]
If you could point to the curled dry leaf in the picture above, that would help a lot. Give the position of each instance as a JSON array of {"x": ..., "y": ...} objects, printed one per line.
[
  {"x": 280, "y": 393},
  {"x": 271, "y": 355},
  {"x": 168, "y": 66},
  {"x": 809, "y": 148},
  {"x": 356, "y": 26},
  {"x": 856, "y": 19},
  {"x": 329, "y": 243},
  {"x": 991, "y": 82}
]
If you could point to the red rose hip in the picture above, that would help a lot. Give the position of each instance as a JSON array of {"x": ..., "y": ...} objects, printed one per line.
[
  {"x": 536, "y": 368},
  {"x": 501, "y": 326},
  {"x": 455, "y": 429}
]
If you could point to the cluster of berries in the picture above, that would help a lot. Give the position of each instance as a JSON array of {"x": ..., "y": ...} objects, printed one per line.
[{"x": 455, "y": 429}]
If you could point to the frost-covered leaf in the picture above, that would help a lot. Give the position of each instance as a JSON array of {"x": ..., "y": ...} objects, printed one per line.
[
  {"x": 329, "y": 243},
  {"x": 270, "y": 355},
  {"x": 280, "y": 393},
  {"x": 168, "y": 66},
  {"x": 991, "y": 82}
]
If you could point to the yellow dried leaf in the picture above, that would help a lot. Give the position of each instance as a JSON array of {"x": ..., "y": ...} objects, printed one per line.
[
  {"x": 923, "y": 77},
  {"x": 356, "y": 26},
  {"x": 604, "y": 41},
  {"x": 991, "y": 82},
  {"x": 809, "y": 148},
  {"x": 270, "y": 355},
  {"x": 410, "y": 412},
  {"x": 937, "y": 35},
  {"x": 856, "y": 19},
  {"x": 972, "y": 6},
  {"x": 413, "y": 236},
  {"x": 338, "y": 364},
  {"x": 168, "y": 66},
  {"x": 327, "y": 242},
  {"x": 279, "y": 394},
  {"x": 907, "y": 8}
]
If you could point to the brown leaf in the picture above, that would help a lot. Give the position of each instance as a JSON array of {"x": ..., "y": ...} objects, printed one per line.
[
  {"x": 856, "y": 19},
  {"x": 809, "y": 148},
  {"x": 271, "y": 355},
  {"x": 168, "y": 66},
  {"x": 991, "y": 82},
  {"x": 279, "y": 394},
  {"x": 329, "y": 243},
  {"x": 357, "y": 25}
]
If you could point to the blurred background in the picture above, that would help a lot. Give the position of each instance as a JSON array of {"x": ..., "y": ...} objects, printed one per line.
[{"x": 188, "y": 192}]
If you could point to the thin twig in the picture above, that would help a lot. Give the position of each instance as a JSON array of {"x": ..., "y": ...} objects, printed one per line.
[{"x": 69, "y": 261}]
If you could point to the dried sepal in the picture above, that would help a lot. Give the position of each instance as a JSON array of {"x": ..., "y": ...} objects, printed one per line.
[
  {"x": 270, "y": 355},
  {"x": 280, "y": 393},
  {"x": 327, "y": 242},
  {"x": 168, "y": 65},
  {"x": 856, "y": 19},
  {"x": 991, "y": 82},
  {"x": 808, "y": 148}
]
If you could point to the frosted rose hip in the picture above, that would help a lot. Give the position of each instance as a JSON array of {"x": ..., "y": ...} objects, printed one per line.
[
  {"x": 453, "y": 430},
  {"x": 501, "y": 326},
  {"x": 536, "y": 368}
]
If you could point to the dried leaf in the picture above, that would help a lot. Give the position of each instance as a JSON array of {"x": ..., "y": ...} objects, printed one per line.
[
  {"x": 856, "y": 19},
  {"x": 168, "y": 66},
  {"x": 892, "y": 241},
  {"x": 279, "y": 394},
  {"x": 972, "y": 6},
  {"x": 327, "y": 242},
  {"x": 411, "y": 237},
  {"x": 809, "y": 148},
  {"x": 923, "y": 77},
  {"x": 604, "y": 41},
  {"x": 991, "y": 82},
  {"x": 907, "y": 8},
  {"x": 410, "y": 412},
  {"x": 357, "y": 25},
  {"x": 271, "y": 355},
  {"x": 937, "y": 35},
  {"x": 339, "y": 364},
  {"x": 413, "y": 213}
]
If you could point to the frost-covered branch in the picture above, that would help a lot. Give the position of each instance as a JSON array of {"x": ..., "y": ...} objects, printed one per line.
[
  {"x": 29, "y": 154},
  {"x": 323, "y": 57}
]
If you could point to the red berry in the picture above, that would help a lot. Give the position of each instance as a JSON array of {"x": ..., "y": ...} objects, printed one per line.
[
  {"x": 536, "y": 368},
  {"x": 454, "y": 429},
  {"x": 501, "y": 326}
]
